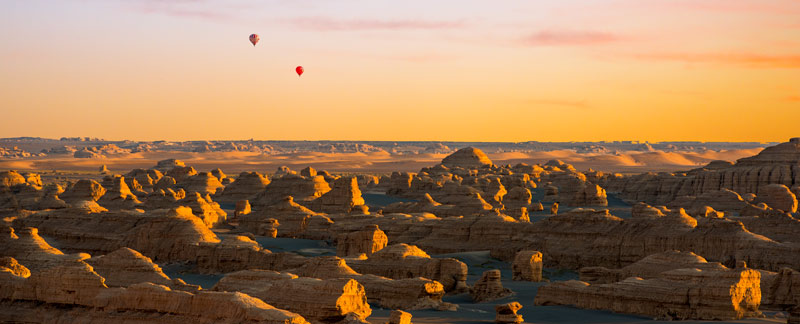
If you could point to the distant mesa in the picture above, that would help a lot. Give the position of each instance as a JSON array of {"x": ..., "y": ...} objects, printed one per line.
[
  {"x": 784, "y": 153},
  {"x": 437, "y": 148},
  {"x": 168, "y": 164},
  {"x": 468, "y": 157},
  {"x": 86, "y": 154}
]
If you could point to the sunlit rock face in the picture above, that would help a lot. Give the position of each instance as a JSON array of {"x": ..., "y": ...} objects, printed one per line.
[
  {"x": 507, "y": 313},
  {"x": 468, "y": 158},
  {"x": 406, "y": 294},
  {"x": 302, "y": 189},
  {"x": 344, "y": 197},
  {"x": 245, "y": 187},
  {"x": 83, "y": 190},
  {"x": 75, "y": 292},
  {"x": 710, "y": 292},
  {"x": 778, "y": 164},
  {"x": 403, "y": 261},
  {"x": 328, "y": 300},
  {"x": 777, "y": 196},
  {"x": 367, "y": 241},
  {"x": 527, "y": 266}
]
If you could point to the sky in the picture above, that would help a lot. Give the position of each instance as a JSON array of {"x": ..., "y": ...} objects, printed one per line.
[{"x": 437, "y": 70}]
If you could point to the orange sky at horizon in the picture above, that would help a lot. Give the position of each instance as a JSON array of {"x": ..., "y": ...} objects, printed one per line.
[{"x": 576, "y": 70}]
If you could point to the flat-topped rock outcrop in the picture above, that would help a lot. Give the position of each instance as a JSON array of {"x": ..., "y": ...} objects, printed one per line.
[
  {"x": 778, "y": 164},
  {"x": 367, "y": 241},
  {"x": 329, "y": 300},
  {"x": 711, "y": 292},
  {"x": 75, "y": 292},
  {"x": 403, "y": 261}
]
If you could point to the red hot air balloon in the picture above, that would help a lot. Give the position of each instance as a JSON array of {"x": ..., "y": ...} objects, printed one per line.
[
  {"x": 254, "y": 39},
  {"x": 299, "y": 70}
]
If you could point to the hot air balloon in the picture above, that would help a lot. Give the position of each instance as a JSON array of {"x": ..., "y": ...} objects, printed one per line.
[
  {"x": 254, "y": 39},
  {"x": 299, "y": 70}
]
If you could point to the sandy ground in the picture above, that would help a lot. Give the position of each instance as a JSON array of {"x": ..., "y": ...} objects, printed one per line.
[{"x": 235, "y": 162}]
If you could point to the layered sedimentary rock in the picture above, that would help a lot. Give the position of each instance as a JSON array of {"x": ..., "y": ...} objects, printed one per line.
[
  {"x": 507, "y": 313},
  {"x": 468, "y": 157},
  {"x": 236, "y": 253},
  {"x": 146, "y": 178},
  {"x": 777, "y": 289},
  {"x": 203, "y": 182},
  {"x": 11, "y": 178},
  {"x": 794, "y": 316},
  {"x": 242, "y": 208},
  {"x": 426, "y": 204},
  {"x": 367, "y": 241},
  {"x": 774, "y": 165},
  {"x": 344, "y": 197},
  {"x": 328, "y": 300},
  {"x": 125, "y": 267},
  {"x": 283, "y": 171},
  {"x": 398, "y": 184},
  {"x": 647, "y": 268},
  {"x": 20, "y": 191},
  {"x": 777, "y": 196},
  {"x": 517, "y": 199},
  {"x": 217, "y": 173},
  {"x": 406, "y": 294},
  {"x": 295, "y": 220},
  {"x": 489, "y": 288},
  {"x": 168, "y": 164},
  {"x": 10, "y": 264},
  {"x": 774, "y": 224},
  {"x": 31, "y": 250},
  {"x": 162, "y": 199},
  {"x": 203, "y": 207},
  {"x": 76, "y": 293},
  {"x": 301, "y": 188},
  {"x": 467, "y": 233},
  {"x": 49, "y": 198},
  {"x": 399, "y": 317},
  {"x": 467, "y": 202},
  {"x": 725, "y": 200},
  {"x": 182, "y": 173},
  {"x": 83, "y": 190},
  {"x": 167, "y": 235},
  {"x": 711, "y": 292},
  {"x": 780, "y": 289},
  {"x": 166, "y": 182},
  {"x": 119, "y": 195},
  {"x": 308, "y": 172},
  {"x": 246, "y": 186},
  {"x": 590, "y": 195},
  {"x": 403, "y": 261},
  {"x": 527, "y": 266}
]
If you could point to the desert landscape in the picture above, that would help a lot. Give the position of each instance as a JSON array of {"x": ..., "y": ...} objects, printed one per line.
[
  {"x": 399, "y": 162},
  {"x": 116, "y": 236}
]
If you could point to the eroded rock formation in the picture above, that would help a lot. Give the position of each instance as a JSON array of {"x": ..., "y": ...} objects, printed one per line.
[
  {"x": 329, "y": 300},
  {"x": 489, "y": 288},
  {"x": 711, "y": 292},
  {"x": 507, "y": 313},
  {"x": 527, "y": 266},
  {"x": 367, "y": 241}
]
